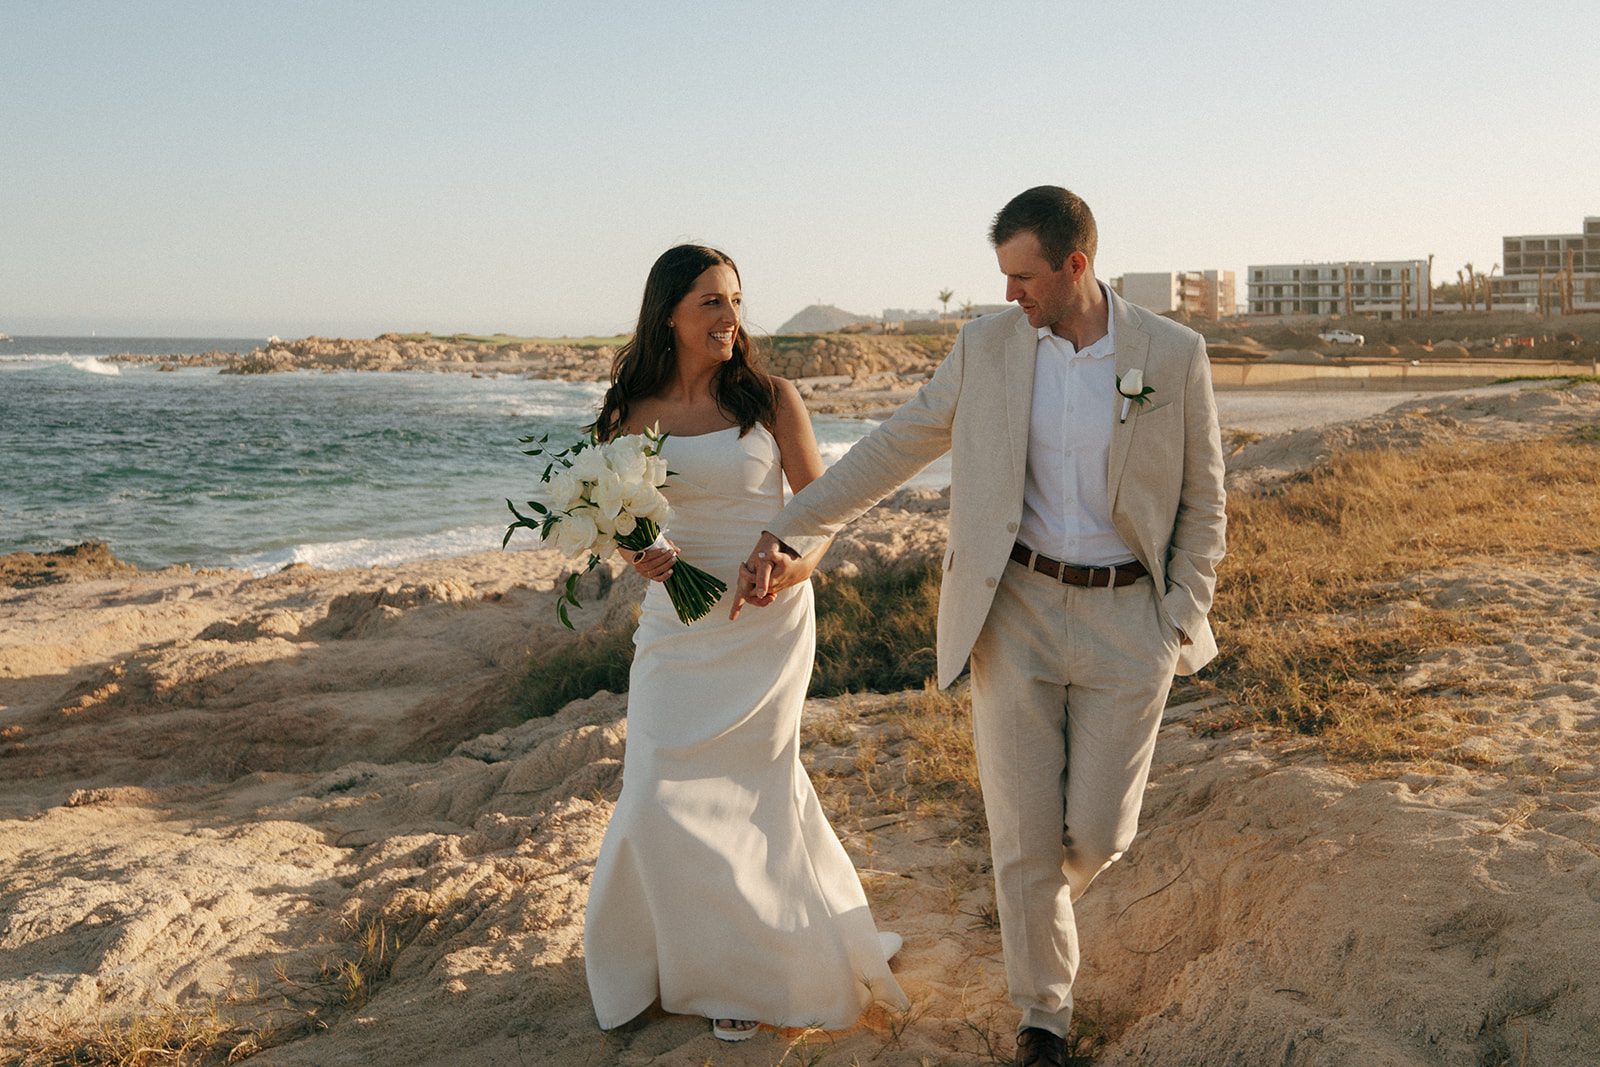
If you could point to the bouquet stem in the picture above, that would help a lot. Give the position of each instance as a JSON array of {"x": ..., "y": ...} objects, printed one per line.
[{"x": 691, "y": 590}]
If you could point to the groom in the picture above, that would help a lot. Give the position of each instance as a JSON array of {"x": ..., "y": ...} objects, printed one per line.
[{"x": 1086, "y": 524}]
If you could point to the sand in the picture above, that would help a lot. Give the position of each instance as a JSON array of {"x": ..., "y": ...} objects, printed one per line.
[{"x": 219, "y": 792}]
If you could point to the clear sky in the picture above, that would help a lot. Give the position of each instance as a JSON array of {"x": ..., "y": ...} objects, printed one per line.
[{"x": 345, "y": 168}]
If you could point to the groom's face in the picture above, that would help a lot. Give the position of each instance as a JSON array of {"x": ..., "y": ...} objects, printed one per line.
[{"x": 1045, "y": 294}]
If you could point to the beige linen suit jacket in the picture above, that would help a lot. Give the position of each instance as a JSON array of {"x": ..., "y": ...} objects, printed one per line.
[{"x": 1165, "y": 471}]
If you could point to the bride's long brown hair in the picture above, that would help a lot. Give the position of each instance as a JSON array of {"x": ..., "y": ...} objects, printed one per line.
[{"x": 644, "y": 364}]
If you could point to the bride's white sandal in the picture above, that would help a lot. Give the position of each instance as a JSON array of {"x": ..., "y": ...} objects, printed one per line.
[{"x": 735, "y": 1030}]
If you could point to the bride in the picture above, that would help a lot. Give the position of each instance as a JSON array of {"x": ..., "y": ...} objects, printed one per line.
[{"x": 720, "y": 888}]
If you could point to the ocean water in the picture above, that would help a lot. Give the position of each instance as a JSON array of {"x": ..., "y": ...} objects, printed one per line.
[{"x": 258, "y": 471}]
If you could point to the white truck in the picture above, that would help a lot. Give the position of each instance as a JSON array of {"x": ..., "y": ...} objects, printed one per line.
[{"x": 1342, "y": 337}]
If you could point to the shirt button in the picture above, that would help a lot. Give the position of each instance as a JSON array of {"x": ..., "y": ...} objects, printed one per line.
[{"x": 990, "y": 582}]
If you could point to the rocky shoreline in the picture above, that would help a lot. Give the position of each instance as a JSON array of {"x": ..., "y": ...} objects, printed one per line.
[{"x": 809, "y": 356}]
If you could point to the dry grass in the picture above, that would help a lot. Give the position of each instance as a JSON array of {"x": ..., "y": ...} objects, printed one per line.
[
  {"x": 549, "y": 681},
  {"x": 941, "y": 765},
  {"x": 1309, "y": 617},
  {"x": 227, "y": 1031},
  {"x": 875, "y": 631},
  {"x": 170, "y": 1037}
]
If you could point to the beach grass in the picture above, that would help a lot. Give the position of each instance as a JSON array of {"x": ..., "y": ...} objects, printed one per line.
[
  {"x": 167, "y": 1036},
  {"x": 876, "y": 629},
  {"x": 234, "y": 1027},
  {"x": 599, "y": 659},
  {"x": 1317, "y": 613}
]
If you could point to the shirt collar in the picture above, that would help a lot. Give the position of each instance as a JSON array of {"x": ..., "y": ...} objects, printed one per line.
[{"x": 1103, "y": 347}]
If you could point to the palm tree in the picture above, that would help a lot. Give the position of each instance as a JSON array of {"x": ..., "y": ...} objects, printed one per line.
[{"x": 944, "y": 298}]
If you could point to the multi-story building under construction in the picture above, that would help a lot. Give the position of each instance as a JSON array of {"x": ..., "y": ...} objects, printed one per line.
[
  {"x": 1383, "y": 289},
  {"x": 1551, "y": 273},
  {"x": 1206, "y": 294}
]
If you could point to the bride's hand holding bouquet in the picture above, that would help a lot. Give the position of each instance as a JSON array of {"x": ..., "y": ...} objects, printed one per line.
[{"x": 606, "y": 496}]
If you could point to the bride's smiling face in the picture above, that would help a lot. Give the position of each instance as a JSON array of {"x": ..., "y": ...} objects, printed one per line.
[{"x": 706, "y": 321}]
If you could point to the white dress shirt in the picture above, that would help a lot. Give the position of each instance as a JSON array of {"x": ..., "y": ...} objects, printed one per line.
[{"x": 1066, "y": 506}]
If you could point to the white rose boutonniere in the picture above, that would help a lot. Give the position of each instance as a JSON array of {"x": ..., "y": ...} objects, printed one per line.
[{"x": 1133, "y": 390}]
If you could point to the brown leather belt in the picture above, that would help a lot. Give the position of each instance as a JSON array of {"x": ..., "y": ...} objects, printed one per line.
[{"x": 1067, "y": 574}]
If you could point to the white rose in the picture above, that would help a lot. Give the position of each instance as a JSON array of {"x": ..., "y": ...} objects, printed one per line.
[
  {"x": 655, "y": 470},
  {"x": 649, "y": 503},
  {"x": 575, "y": 533},
  {"x": 626, "y": 457},
  {"x": 589, "y": 465},
  {"x": 565, "y": 491},
  {"x": 625, "y": 524},
  {"x": 634, "y": 485},
  {"x": 1132, "y": 383},
  {"x": 609, "y": 493}
]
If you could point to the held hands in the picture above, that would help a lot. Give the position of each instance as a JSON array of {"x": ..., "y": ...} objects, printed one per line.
[{"x": 771, "y": 568}]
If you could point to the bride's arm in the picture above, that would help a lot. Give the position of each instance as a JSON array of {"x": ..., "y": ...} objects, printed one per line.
[
  {"x": 797, "y": 444},
  {"x": 802, "y": 465}
]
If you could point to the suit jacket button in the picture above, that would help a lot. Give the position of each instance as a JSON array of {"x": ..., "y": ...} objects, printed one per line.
[
  {"x": 1011, "y": 527},
  {"x": 990, "y": 582}
]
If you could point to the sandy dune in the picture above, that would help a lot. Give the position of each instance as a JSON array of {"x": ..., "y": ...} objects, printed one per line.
[{"x": 228, "y": 793}]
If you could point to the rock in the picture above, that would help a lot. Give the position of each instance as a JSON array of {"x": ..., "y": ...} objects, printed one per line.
[{"x": 92, "y": 559}]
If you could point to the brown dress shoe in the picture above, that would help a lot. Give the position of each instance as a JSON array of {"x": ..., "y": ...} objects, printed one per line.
[{"x": 1040, "y": 1048}]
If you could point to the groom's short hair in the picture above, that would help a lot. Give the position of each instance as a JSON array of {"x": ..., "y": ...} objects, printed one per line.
[{"x": 1060, "y": 220}]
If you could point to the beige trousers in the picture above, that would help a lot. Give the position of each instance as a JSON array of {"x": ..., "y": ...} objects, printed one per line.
[{"x": 1068, "y": 684}]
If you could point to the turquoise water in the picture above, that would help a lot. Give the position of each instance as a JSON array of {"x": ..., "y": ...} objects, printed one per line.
[{"x": 258, "y": 471}]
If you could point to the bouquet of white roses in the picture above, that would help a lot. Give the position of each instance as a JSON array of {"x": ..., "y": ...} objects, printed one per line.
[{"x": 606, "y": 496}]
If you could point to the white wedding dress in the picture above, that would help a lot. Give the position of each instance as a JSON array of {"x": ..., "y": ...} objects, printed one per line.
[{"x": 720, "y": 887}]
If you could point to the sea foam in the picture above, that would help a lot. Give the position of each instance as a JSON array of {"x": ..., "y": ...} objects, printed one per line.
[
  {"x": 94, "y": 366},
  {"x": 364, "y": 552}
]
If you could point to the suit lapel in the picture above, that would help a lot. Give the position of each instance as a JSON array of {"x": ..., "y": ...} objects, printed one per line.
[
  {"x": 1133, "y": 350},
  {"x": 1022, "y": 352}
]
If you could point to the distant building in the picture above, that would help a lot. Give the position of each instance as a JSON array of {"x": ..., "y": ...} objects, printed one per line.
[
  {"x": 1382, "y": 289},
  {"x": 1533, "y": 270},
  {"x": 1206, "y": 294}
]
